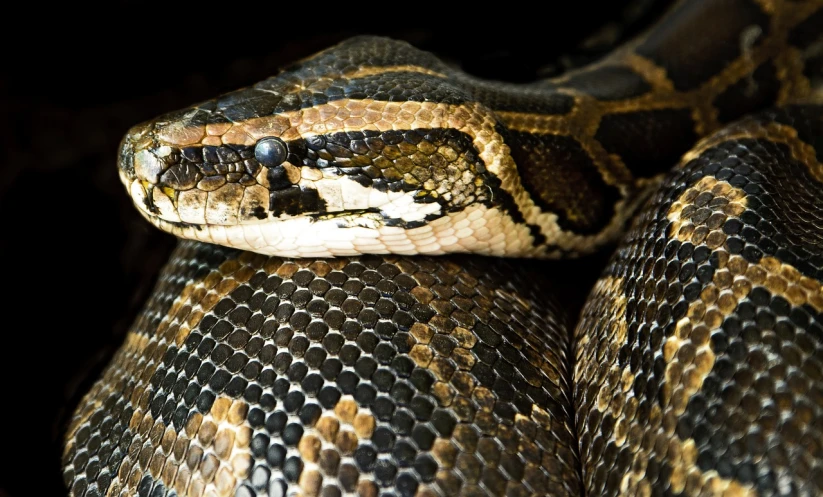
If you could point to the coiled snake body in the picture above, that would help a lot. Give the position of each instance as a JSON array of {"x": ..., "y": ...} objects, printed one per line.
[{"x": 696, "y": 367}]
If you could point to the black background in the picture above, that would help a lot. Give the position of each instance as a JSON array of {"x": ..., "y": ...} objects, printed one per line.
[{"x": 77, "y": 260}]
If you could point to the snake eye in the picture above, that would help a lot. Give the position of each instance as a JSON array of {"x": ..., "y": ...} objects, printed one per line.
[{"x": 270, "y": 152}]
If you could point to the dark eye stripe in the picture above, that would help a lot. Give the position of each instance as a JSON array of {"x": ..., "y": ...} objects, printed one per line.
[{"x": 270, "y": 152}]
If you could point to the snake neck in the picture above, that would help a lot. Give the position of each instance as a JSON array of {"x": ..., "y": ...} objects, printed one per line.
[{"x": 375, "y": 146}]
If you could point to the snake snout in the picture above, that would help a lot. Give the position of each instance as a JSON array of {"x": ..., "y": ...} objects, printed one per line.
[
  {"x": 125, "y": 160},
  {"x": 138, "y": 159}
]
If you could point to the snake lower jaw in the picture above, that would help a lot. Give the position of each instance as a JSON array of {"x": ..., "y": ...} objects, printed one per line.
[{"x": 477, "y": 230}]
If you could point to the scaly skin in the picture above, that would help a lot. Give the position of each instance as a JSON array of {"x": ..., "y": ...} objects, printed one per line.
[
  {"x": 696, "y": 367},
  {"x": 373, "y": 146}
]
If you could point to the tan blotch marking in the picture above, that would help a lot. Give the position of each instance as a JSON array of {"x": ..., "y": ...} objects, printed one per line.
[
  {"x": 616, "y": 397},
  {"x": 331, "y": 443},
  {"x": 800, "y": 151},
  {"x": 457, "y": 459},
  {"x": 599, "y": 336},
  {"x": 370, "y": 71},
  {"x": 583, "y": 121},
  {"x": 215, "y": 446},
  {"x": 688, "y": 354},
  {"x": 208, "y": 457},
  {"x": 473, "y": 453},
  {"x": 608, "y": 292}
]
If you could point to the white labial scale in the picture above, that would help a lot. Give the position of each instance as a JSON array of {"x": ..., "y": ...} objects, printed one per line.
[
  {"x": 365, "y": 235},
  {"x": 316, "y": 252},
  {"x": 408, "y": 210},
  {"x": 223, "y": 204},
  {"x": 329, "y": 191},
  {"x": 336, "y": 234},
  {"x": 276, "y": 233},
  {"x": 165, "y": 205},
  {"x": 341, "y": 247},
  {"x": 254, "y": 197},
  {"x": 393, "y": 233},
  {"x": 307, "y": 237},
  {"x": 312, "y": 174},
  {"x": 377, "y": 199},
  {"x": 403, "y": 248},
  {"x": 410, "y": 251},
  {"x": 366, "y": 244},
  {"x": 138, "y": 195},
  {"x": 191, "y": 205},
  {"x": 353, "y": 193}
]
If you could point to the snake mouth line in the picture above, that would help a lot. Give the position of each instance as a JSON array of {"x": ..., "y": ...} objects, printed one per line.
[
  {"x": 344, "y": 216},
  {"x": 372, "y": 218},
  {"x": 344, "y": 204},
  {"x": 144, "y": 198}
]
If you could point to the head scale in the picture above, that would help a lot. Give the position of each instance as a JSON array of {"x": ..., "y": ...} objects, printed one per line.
[{"x": 286, "y": 170}]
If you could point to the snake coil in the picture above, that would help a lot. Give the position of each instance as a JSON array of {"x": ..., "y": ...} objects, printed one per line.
[{"x": 695, "y": 367}]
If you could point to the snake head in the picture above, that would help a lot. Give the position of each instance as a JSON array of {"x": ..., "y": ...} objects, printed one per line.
[{"x": 341, "y": 154}]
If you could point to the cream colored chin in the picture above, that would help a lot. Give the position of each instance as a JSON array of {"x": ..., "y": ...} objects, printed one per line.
[{"x": 477, "y": 229}]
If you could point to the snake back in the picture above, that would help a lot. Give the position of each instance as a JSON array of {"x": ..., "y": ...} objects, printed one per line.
[
  {"x": 247, "y": 375},
  {"x": 696, "y": 364},
  {"x": 373, "y": 146}
]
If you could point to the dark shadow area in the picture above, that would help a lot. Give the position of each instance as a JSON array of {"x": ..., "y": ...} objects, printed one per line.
[{"x": 78, "y": 260}]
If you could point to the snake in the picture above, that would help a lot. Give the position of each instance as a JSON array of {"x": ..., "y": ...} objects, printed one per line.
[{"x": 349, "y": 312}]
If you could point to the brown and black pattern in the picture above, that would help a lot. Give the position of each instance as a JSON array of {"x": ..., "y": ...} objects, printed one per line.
[
  {"x": 249, "y": 375},
  {"x": 623, "y": 120},
  {"x": 696, "y": 367},
  {"x": 437, "y": 165},
  {"x": 700, "y": 352}
]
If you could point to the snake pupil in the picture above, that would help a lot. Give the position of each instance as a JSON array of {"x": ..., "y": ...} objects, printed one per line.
[{"x": 270, "y": 152}]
